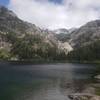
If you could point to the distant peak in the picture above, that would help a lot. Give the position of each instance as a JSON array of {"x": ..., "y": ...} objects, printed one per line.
[{"x": 61, "y": 30}]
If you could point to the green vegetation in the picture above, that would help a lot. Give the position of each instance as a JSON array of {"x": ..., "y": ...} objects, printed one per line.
[
  {"x": 23, "y": 50},
  {"x": 11, "y": 37},
  {"x": 31, "y": 48},
  {"x": 89, "y": 53},
  {"x": 63, "y": 37},
  {"x": 4, "y": 54}
]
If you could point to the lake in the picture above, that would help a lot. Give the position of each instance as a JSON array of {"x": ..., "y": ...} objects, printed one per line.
[{"x": 44, "y": 81}]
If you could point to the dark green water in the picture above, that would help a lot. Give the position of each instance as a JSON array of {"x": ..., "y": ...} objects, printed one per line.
[{"x": 42, "y": 82}]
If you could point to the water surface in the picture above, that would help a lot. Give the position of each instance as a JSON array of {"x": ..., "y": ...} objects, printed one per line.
[{"x": 43, "y": 82}]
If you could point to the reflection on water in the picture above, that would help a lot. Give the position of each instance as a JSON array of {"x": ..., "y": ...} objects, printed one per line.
[{"x": 42, "y": 82}]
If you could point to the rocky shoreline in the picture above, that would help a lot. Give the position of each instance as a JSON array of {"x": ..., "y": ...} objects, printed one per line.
[
  {"x": 89, "y": 93},
  {"x": 82, "y": 96}
]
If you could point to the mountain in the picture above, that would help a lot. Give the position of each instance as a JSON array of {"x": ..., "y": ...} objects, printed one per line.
[
  {"x": 86, "y": 43},
  {"x": 23, "y": 40},
  {"x": 11, "y": 23},
  {"x": 61, "y": 30},
  {"x": 63, "y": 35},
  {"x": 86, "y": 34},
  {"x": 72, "y": 30},
  {"x": 14, "y": 30}
]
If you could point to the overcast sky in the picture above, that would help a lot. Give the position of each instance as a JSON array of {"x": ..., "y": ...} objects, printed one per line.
[{"x": 55, "y": 14}]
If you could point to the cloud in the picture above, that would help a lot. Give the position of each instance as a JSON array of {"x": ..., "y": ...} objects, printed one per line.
[{"x": 46, "y": 14}]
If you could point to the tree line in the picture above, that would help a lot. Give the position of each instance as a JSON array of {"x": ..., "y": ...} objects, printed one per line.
[
  {"x": 30, "y": 47},
  {"x": 89, "y": 52}
]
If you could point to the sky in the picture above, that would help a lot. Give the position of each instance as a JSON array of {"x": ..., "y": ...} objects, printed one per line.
[
  {"x": 4, "y": 2},
  {"x": 54, "y": 14}
]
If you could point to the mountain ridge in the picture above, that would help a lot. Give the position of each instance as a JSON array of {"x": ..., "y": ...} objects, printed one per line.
[{"x": 12, "y": 29}]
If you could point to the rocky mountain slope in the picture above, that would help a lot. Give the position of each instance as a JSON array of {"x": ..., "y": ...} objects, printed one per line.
[
  {"x": 63, "y": 34},
  {"x": 9, "y": 22},
  {"x": 11, "y": 27},
  {"x": 82, "y": 36},
  {"x": 86, "y": 34}
]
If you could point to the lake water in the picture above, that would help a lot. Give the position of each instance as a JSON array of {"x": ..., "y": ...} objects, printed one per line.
[{"x": 42, "y": 82}]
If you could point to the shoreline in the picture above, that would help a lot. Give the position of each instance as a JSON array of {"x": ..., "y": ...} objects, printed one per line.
[{"x": 52, "y": 61}]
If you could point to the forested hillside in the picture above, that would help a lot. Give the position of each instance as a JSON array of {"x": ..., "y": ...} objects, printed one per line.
[
  {"x": 20, "y": 40},
  {"x": 90, "y": 52}
]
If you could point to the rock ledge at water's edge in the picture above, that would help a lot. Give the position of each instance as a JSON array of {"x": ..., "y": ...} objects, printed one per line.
[{"x": 83, "y": 96}]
